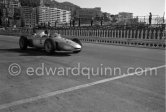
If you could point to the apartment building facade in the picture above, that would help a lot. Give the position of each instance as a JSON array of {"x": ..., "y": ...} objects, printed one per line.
[
  {"x": 29, "y": 16},
  {"x": 15, "y": 4},
  {"x": 52, "y": 15},
  {"x": 125, "y": 17}
]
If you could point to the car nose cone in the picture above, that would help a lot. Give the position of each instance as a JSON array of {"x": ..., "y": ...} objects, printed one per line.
[{"x": 78, "y": 46}]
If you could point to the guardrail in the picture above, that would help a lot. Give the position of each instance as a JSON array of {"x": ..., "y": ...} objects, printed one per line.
[
  {"x": 16, "y": 32},
  {"x": 138, "y": 38}
]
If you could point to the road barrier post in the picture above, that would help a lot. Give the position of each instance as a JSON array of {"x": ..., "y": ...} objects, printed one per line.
[
  {"x": 142, "y": 34},
  {"x": 150, "y": 34}
]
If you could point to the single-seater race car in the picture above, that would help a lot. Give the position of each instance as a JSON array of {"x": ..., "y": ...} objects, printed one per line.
[{"x": 50, "y": 42}]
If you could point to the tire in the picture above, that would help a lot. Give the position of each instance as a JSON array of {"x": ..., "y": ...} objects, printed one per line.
[
  {"x": 49, "y": 46},
  {"x": 76, "y": 40},
  {"x": 23, "y": 43}
]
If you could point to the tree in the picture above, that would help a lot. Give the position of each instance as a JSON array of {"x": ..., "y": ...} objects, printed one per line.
[{"x": 32, "y": 3}]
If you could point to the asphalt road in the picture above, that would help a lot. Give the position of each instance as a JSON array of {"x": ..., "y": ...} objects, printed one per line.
[{"x": 91, "y": 81}]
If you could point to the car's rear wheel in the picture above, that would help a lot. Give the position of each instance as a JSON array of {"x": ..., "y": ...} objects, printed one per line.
[
  {"x": 49, "y": 46},
  {"x": 23, "y": 43},
  {"x": 76, "y": 40}
]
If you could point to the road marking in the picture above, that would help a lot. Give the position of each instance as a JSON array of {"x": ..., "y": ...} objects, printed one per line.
[{"x": 28, "y": 100}]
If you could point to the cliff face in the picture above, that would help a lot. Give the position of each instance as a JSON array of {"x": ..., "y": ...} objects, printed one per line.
[
  {"x": 51, "y": 3},
  {"x": 64, "y": 5},
  {"x": 32, "y": 3}
]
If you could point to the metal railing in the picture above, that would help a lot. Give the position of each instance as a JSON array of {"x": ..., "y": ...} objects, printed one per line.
[
  {"x": 139, "y": 38},
  {"x": 150, "y": 38}
]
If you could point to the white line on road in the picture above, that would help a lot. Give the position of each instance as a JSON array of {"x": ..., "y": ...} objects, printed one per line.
[{"x": 28, "y": 100}]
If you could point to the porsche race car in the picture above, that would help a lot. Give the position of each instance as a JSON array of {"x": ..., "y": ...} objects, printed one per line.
[{"x": 50, "y": 42}]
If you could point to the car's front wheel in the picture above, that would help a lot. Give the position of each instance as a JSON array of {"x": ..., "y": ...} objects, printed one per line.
[
  {"x": 49, "y": 46},
  {"x": 23, "y": 43}
]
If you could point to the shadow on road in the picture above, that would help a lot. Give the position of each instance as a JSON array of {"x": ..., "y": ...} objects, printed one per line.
[{"x": 33, "y": 52}]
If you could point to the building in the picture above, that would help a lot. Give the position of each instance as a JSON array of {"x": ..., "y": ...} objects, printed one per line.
[
  {"x": 15, "y": 4},
  {"x": 89, "y": 13},
  {"x": 43, "y": 14},
  {"x": 106, "y": 16},
  {"x": 86, "y": 15},
  {"x": 10, "y": 3},
  {"x": 64, "y": 16},
  {"x": 125, "y": 17},
  {"x": 5, "y": 3},
  {"x": 10, "y": 12},
  {"x": 52, "y": 15},
  {"x": 29, "y": 16}
]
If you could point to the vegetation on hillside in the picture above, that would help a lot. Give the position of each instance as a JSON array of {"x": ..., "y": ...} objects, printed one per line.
[{"x": 32, "y": 3}]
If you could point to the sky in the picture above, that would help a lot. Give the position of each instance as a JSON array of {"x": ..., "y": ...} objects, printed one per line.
[{"x": 137, "y": 7}]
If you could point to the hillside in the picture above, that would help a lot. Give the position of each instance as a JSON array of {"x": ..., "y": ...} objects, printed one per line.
[{"x": 51, "y": 3}]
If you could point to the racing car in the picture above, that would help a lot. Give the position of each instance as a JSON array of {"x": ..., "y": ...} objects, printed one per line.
[{"x": 50, "y": 42}]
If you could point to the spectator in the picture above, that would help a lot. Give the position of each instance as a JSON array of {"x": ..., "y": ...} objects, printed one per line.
[
  {"x": 79, "y": 22},
  {"x": 91, "y": 22},
  {"x": 150, "y": 18},
  {"x": 73, "y": 22},
  {"x": 70, "y": 23}
]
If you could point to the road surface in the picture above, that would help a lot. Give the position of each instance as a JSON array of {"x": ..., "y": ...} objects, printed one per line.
[{"x": 101, "y": 78}]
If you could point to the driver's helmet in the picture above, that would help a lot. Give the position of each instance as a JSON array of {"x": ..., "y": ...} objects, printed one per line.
[
  {"x": 53, "y": 34},
  {"x": 43, "y": 34}
]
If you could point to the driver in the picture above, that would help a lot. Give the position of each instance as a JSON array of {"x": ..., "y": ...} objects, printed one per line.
[
  {"x": 54, "y": 34},
  {"x": 34, "y": 32},
  {"x": 44, "y": 33}
]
